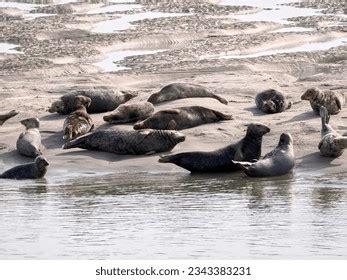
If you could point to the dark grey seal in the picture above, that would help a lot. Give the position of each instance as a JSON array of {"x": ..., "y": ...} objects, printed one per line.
[
  {"x": 103, "y": 100},
  {"x": 78, "y": 122},
  {"x": 332, "y": 144},
  {"x": 128, "y": 113},
  {"x": 332, "y": 101},
  {"x": 29, "y": 142},
  {"x": 182, "y": 118},
  {"x": 272, "y": 101},
  {"x": 6, "y": 116},
  {"x": 279, "y": 161},
  {"x": 128, "y": 142},
  {"x": 183, "y": 90},
  {"x": 247, "y": 149},
  {"x": 34, "y": 170}
]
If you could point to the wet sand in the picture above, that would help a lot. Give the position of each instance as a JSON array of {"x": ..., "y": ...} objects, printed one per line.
[{"x": 61, "y": 50}]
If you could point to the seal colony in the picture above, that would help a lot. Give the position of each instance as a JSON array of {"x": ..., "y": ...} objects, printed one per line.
[{"x": 157, "y": 132}]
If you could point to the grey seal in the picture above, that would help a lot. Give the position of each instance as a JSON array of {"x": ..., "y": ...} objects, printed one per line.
[
  {"x": 34, "y": 170},
  {"x": 182, "y": 118},
  {"x": 78, "y": 122},
  {"x": 333, "y": 101},
  {"x": 246, "y": 149},
  {"x": 332, "y": 144},
  {"x": 272, "y": 101},
  {"x": 103, "y": 100},
  {"x": 6, "y": 116},
  {"x": 128, "y": 113},
  {"x": 279, "y": 161},
  {"x": 128, "y": 142},
  {"x": 183, "y": 90},
  {"x": 29, "y": 142}
]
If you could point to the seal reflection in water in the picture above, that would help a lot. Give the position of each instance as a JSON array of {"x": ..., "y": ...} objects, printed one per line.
[
  {"x": 6, "y": 116},
  {"x": 332, "y": 144},
  {"x": 279, "y": 161},
  {"x": 182, "y": 118},
  {"x": 34, "y": 170},
  {"x": 248, "y": 148},
  {"x": 128, "y": 142},
  {"x": 29, "y": 142}
]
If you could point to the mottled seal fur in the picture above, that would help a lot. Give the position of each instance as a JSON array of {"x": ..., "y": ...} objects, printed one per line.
[
  {"x": 272, "y": 101},
  {"x": 332, "y": 101},
  {"x": 29, "y": 142},
  {"x": 183, "y": 90},
  {"x": 78, "y": 122},
  {"x": 128, "y": 113},
  {"x": 279, "y": 161},
  {"x": 126, "y": 142},
  {"x": 246, "y": 149},
  {"x": 6, "y": 116},
  {"x": 34, "y": 170},
  {"x": 182, "y": 118},
  {"x": 332, "y": 144},
  {"x": 103, "y": 100}
]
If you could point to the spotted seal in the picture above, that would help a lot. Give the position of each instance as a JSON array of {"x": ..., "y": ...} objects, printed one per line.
[
  {"x": 34, "y": 170},
  {"x": 29, "y": 142},
  {"x": 182, "y": 118},
  {"x": 332, "y": 101},
  {"x": 78, "y": 122},
  {"x": 272, "y": 101},
  {"x": 279, "y": 161},
  {"x": 128, "y": 142},
  {"x": 128, "y": 113},
  {"x": 6, "y": 116},
  {"x": 246, "y": 149},
  {"x": 103, "y": 100},
  {"x": 332, "y": 144},
  {"x": 183, "y": 90}
]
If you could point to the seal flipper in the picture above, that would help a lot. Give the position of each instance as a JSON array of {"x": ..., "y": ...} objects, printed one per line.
[
  {"x": 74, "y": 143},
  {"x": 243, "y": 165},
  {"x": 338, "y": 103},
  {"x": 222, "y": 116},
  {"x": 170, "y": 159},
  {"x": 220, "y": 99}
]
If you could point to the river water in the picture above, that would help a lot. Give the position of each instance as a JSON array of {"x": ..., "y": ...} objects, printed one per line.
[{"x": 175, "y": 215}]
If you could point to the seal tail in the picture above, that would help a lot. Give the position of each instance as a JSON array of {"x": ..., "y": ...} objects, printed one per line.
[
  {"x": 73, "y": 144},
  {"x": 223, "y": 116},
  {"x": 170, "y": 159},
  {"x": 220, "y": 99},
  {"x": 341, "y": 142},
  {"x": 243, "y": 165}
]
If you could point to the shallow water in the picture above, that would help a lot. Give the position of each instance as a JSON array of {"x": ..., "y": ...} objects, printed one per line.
[
  {"x": 8, "y": 48},
  {"x": 175, "y": 215}
]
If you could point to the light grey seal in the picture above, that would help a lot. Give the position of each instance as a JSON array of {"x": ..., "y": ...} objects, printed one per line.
[
  {"x": 6, "y": 116},
  {"x": 183, "y": 90},
  {"x": 279, "y": 161},
  {"x": 333, "y": 101},
  {"x": 29, "y": 142},
  {"x": 332, "y": 144},
  {"x": 246, "y": 149},
  {"x": 128, "y": 142},
  {"x": 34, "y": 170},
  {"x": 182, "y": 118},
  {"x": 128, "y": 113},
  {"x": 78, "y": 122},
  {"x": 272, "y": 101},
  {"x": 103, "y": 100}
]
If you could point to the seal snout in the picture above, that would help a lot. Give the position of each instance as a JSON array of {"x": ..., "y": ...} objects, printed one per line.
[
  {"x": 139, "y": 125},
  {"x": 179, "y": 137}
]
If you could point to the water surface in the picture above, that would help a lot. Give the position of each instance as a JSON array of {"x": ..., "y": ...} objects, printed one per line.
[{"x": 174, "y": 216}]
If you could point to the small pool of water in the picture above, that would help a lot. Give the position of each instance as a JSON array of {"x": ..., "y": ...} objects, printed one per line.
[
  {"x": 109, "y": 64},
  {"x": 8, "y": 48}
]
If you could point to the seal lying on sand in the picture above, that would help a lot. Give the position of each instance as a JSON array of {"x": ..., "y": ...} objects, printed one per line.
[
  {"x": 6, "y": 116},
  {"x": 333, "y": 101},
  {"x": 247, "y": 149},
  {"x": 29, "y": 142},
  {"x": 128, "y": 113},
  {"x": 78, "y": 122},
  {"x": 34, "y": 170},
  {"x": 182, "y": 118},
  {"x": 103, "y": 100},
  {"x": 182, "y": 90},
  {"x": 279, "y": 161},
  {"x": 272, "y": 101},
  {"x": 332, "y": 144},
  {"x": 128, "y": 142}
]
